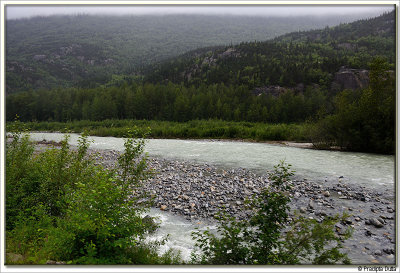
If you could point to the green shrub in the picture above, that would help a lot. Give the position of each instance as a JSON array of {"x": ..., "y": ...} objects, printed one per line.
[
  {"x": 62, "y": 206},
  {"x": 218, "y": 129}
]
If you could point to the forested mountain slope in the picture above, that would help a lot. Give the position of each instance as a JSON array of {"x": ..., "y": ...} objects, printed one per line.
[
  {"x": 85, "y": 51},
  {"x": 308, "y": 57},
  {"x": 298, "y": 78}
]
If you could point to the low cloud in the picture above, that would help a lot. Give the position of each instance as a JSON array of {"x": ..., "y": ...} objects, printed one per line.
[{"x": 24, "y": 11}]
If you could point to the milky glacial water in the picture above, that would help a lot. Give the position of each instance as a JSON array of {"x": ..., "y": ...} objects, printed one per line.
[
  {"x": 179, "y": 232},
  {"x": 369, "y": 170}
]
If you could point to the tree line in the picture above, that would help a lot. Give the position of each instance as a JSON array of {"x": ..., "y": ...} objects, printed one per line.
[
  {"x": 359, "y": 120},
  {"x": 172, "y": 102}
]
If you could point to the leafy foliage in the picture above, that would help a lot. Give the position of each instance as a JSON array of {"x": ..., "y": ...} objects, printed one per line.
[
  {"x": 364, "y": 120},
  {"x": 62, "y": 206},
  {"x": 259, "y": 239},
  {"x": 194, "y": 129}
]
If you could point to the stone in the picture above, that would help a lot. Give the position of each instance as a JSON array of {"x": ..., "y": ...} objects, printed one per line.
[
  {"x": 368, "y": 233},
  {"x": 185, "y": 197},
  {"x": 378, "y": 253},
  {"x": 163, "y": 207},
  {"x": 303, "y": 210},
  {"x": 348, "y": 221},
  {"x": 326, "y": 193},
  {"x": 376, "y": 222},
  {"x": 12, "y": 257}
]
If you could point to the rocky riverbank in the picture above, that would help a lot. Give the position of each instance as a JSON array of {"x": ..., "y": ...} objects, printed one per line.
[{"x": 198, "y": 191}]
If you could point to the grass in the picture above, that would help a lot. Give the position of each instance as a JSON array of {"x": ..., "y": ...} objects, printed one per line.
[{"x": 195, "y": 129}]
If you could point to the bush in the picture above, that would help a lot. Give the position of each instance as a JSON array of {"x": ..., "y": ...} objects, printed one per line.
[
  {"x": 260, "y": 240},
  {"x": 62, "y": 206}
]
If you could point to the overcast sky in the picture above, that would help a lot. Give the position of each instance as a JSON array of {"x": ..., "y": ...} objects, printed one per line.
[{"x": 21, "y": 11}]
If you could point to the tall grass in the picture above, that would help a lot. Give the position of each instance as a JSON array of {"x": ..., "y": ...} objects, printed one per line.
[{"x": 195, "y": 129}]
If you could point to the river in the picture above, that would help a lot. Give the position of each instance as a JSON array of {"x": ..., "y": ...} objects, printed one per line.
[{"x": 369, "y": 170}]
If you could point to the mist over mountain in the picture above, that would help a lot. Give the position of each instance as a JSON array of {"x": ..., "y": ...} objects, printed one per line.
[
  {"x": 87, "y": 50},
  {"x": 298, "y": 58}
]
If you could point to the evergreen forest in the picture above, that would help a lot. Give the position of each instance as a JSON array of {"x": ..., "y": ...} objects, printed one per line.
[{"x": 338, "y": 83}]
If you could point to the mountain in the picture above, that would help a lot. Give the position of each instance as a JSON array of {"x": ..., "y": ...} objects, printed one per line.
[
  {"x": 85, "y": 51},
  {"x": 292, "y": 60}
]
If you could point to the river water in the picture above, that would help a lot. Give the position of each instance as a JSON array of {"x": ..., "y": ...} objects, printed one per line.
[{"x": 369, "y": 170}]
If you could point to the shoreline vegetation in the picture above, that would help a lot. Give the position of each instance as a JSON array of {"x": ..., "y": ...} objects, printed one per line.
[
  {"x": 296, "y": 135},
  {"x": 195, "y": 129}
]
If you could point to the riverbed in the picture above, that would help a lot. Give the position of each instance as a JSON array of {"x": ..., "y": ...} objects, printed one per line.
[
  {"x": 370, "y": 170},
  {"x": 195, "y": 179}
]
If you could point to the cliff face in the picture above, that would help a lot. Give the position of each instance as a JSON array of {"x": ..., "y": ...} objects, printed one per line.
[
  {"x": 353, "y": 79},
  {"x": 345, "y": 78}
]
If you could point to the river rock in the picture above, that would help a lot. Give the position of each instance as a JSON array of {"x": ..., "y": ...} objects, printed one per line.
[
  {"x": 163, "y": 207},
  {"x": 368, "y": 233},
  {"x": 218, "y": 187},
  {"x": 389, "y": 251},
  {"x": 376, "y": 222}
]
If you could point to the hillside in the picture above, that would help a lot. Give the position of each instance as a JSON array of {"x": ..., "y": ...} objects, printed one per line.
[
  {"x": 293, "y": 60},
  {"x": 337, "y": 84},
  {"x": 85, "y": 51}
]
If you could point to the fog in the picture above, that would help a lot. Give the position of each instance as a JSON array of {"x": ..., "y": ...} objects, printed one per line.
[{"x": 25, "y": 11}]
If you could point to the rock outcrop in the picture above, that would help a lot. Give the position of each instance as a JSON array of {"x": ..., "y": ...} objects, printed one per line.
[
  {"x": 273, "y": 90},
  {"x": 347, "y": 78}
]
